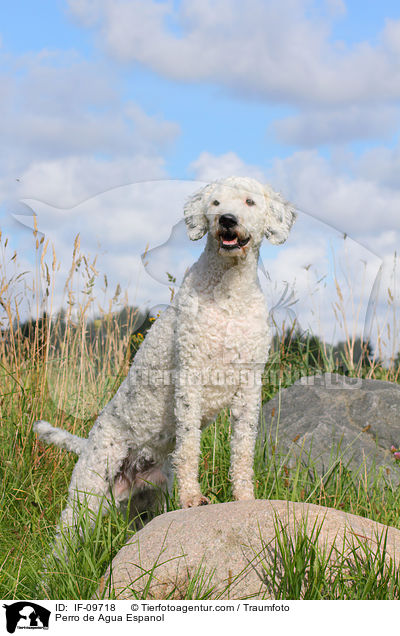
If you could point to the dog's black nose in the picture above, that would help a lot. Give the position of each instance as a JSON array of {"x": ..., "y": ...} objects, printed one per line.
[{"x": 227, "y": 220}]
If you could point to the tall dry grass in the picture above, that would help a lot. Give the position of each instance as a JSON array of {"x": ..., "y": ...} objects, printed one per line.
[
  {"x": 70, "y": 361},
  {"x": 63, "y": 366}
]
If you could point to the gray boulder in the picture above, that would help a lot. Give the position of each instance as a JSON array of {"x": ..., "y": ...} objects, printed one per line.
[
  {"x": 231, "y": 549},
  {"x": 330, "y": 417}
]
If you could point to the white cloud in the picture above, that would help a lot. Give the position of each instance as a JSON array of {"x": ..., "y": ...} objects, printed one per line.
[
  {"x": 279, "y": 51},
  {"x": 152, "y": 131},
  {"x": 368, "y": 211},
  {"x": 68, "y": 133},
  {"x": 382, "y": 166},
  {"x": 67, "y": 107},
  {"x": 118, "y": 225},
  {"x": 356, "y": 205},
  {"x": 314, "y": 127},
  {"x": 391, "y": 36},
  {"x": 65, "y": 182},
  {"x": 208, "y": 167},
  {"x": 85, "y": 11},
  {"x": 335, "y": 7},
  {"x": 315, "y": 261}
]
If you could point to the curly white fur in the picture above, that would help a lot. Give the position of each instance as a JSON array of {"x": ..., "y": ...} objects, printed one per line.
[{"x": 205, "y": 352}]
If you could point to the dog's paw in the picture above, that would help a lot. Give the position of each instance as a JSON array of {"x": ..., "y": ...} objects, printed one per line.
[{"x": 194, "y": 501}]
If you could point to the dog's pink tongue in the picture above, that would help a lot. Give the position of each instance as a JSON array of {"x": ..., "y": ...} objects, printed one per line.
[{"x": 232, "y": 242}]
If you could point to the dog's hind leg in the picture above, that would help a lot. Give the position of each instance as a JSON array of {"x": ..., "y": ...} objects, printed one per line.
[{"x": 92, "y": 482}]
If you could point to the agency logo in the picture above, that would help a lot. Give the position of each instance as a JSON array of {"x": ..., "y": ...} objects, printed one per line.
[{"x": 26, "y": 615}]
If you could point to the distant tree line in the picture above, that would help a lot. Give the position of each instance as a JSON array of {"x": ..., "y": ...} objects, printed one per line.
[
  {"x": 36, "y": 332},
  {"x": 313, "y": 353},
  {"x": 292, "y": 346}
]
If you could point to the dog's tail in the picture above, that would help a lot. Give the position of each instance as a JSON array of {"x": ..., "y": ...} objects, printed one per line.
[{"x": 60, "y": 438}]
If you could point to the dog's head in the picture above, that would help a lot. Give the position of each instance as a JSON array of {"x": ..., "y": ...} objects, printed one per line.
[{"x": 238, "y": 212}]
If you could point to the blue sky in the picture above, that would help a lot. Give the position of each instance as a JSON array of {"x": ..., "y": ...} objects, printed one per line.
[
  {"x": 304, "y": 94},
  {"x": 207, "y": 112}
]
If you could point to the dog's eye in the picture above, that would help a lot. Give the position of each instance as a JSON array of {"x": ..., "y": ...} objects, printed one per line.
[
  {"x": 215, "y": 202},
  {"x": 250, "y": 202}
]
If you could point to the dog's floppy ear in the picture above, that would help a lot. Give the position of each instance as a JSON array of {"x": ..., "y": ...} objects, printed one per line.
[
  {"x": 194, "y": 211},
  {"x": 279, "y": 218}
]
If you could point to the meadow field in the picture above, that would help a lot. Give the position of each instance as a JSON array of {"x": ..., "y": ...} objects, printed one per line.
[{"x": 63, "y": 366}]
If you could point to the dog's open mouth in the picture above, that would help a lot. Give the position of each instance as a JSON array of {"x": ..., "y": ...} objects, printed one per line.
[{"x": 231, "y": 241}]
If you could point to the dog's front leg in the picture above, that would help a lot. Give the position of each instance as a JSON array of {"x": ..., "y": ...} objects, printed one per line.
[
  {"x": 188, "y": 434},
  {"x": 245, "y": 411},
  {"x": 188, "y": 397}
]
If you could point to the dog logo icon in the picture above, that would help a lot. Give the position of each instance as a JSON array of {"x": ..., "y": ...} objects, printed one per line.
[{"x": 26, "y": 615}]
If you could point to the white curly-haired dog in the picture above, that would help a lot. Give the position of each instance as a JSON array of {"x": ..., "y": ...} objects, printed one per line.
[{"x": 207, "y": 351}]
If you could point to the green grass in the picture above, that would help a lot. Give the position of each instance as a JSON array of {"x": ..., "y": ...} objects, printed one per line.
[{"x": 33, "y": 494}]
